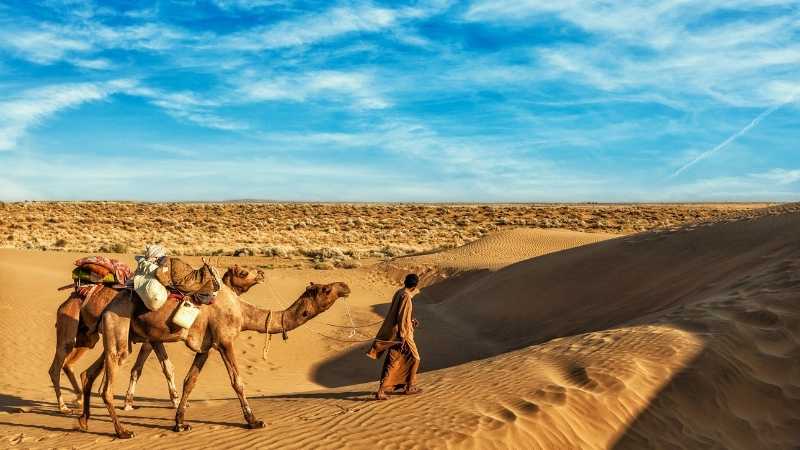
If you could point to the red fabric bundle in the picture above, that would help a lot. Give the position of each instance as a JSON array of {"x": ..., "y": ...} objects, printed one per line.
[{"x": 120, "y": 270}]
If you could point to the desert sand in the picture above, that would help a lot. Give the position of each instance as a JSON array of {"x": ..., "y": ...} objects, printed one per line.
[{"x": 530, "y": 338}]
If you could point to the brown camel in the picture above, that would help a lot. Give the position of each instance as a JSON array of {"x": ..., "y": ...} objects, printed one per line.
[
  {"x": 76, "y": 333},
  {"x": 217, "y": 326}
]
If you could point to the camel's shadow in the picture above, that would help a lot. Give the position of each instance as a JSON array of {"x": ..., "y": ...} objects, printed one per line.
[{"x": 355, "y": 396}]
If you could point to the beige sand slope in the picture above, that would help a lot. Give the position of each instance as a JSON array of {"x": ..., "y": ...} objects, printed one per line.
[
  {"x": 500, "y": 249},
  {"x": 682, "y": 339}
]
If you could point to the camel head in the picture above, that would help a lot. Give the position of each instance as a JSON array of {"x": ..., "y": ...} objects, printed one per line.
[
  {"x": 241, "y": 279},
  {"x": 316, "y": 299}
]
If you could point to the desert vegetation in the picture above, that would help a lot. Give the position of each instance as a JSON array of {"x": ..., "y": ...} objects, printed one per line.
[{"x": 327, "y": 235}]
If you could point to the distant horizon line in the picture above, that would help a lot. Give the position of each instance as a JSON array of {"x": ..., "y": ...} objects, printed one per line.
[{"x": 406, "y": 202}]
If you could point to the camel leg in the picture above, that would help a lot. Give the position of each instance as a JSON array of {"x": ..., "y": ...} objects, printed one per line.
[
  {"x": 68, "y": 368},
  {"x": 55, "y": 375},
  {"x": 67, "y": 317},
  {"x": 115, "y": 342},
  {"x": 87, "y": 377},
  {"x": 169, "y": 371},
  {"x": 229, "y": 358},
  {"x": 188, "y": 385},
  {"x": 136, "y": 371}
]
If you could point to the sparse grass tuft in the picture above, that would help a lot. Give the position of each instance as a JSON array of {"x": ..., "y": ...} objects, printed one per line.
[{"x": 323, "y": 265}]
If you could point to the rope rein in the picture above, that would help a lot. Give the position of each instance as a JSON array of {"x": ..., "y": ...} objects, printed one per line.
[
  {"x": 268, "y": 338},
  {"x": 352, "y": 326}
]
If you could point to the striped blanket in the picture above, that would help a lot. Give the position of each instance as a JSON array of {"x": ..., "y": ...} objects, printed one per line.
[{"x": 120, "y": 270}]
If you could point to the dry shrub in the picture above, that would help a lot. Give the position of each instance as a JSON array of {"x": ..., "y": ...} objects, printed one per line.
[
  {"x": 280, "y": 251},
  {"x": 323, "y": 265},
  {"x": 347, "y": 264}
]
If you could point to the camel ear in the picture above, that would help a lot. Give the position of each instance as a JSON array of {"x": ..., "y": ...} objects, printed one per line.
[{"x": 310, "y": 283}]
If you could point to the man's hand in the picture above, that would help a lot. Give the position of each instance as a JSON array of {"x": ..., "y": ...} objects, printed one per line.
[{"x": 415, "y": 322}]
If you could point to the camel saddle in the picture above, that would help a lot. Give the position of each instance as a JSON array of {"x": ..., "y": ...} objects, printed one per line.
[
  {"x": 99, "y": 269},
  {"x": 199, "y": 285}
]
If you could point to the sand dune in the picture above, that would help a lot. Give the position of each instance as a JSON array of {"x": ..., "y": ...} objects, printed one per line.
[
  {"x": 678, "y": 339},
  {"x": 503, "y": 248}
]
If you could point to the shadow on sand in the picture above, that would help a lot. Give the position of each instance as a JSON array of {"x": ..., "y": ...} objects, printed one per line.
[{"x": 630, "y": 281}]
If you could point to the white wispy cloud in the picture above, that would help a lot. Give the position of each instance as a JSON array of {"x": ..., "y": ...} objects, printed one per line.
[
  {"x": 188, "y": 106},
  {"x": 43, "y": 46},
  {"x": 78, "y": 43},
  {"x": 726, "y": 61},
  {"x": 753, "y": 123},
  {"x": 772, "y": 185},
  {"x": 355, "y": 87},
  {"x": 778, "y": 176},
  {"x": 18, "y": 113},
  {"x": 249, "y": 4},
  {"x": 336, "y": 21}
]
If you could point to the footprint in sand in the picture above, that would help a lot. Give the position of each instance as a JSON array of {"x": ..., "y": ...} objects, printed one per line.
[
  {"x": 551, "y": 394},
  {"x": 526, "y": 407},
  {"x": 490, "y": 423}
]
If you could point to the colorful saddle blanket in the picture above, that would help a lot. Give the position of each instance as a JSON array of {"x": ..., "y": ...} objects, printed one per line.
[{"x": 99, "y": 269}]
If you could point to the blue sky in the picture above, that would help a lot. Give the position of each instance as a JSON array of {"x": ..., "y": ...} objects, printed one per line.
[{"x": 490, "y": 100}]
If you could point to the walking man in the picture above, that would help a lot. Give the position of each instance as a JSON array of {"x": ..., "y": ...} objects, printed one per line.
[{"x": 396, "y": 338}]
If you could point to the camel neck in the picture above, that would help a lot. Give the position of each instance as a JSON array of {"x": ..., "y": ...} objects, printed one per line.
[{"x": 255, "y": 319}]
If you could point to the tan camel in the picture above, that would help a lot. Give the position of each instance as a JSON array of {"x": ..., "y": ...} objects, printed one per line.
[
  {"x": 76, "y": 333},
  {"x": 217, "y": 326}
]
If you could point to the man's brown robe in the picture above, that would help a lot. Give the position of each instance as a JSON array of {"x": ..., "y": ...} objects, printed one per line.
[{"x": 402, "y": 361}]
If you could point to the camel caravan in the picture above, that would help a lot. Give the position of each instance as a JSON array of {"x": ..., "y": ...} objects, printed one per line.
[{"x": 165, "y": 300}]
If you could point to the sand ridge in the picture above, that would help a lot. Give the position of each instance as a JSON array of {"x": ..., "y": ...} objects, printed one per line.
[
  {"x": 674, "y": 339},
  {"x": 503, "y": 248}
]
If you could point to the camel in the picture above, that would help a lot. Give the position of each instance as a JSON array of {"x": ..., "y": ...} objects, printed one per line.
[
  {"x": 217, "y": 326},
  {"x": 74, "y": 338}
]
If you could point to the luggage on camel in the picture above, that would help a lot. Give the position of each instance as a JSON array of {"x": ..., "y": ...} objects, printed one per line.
[
  {"x": 201, "y": 284},
  {"x": 145, "y": 283},
  {"x": 99, "y": 269},
  {"x": 186, "y": 314}
]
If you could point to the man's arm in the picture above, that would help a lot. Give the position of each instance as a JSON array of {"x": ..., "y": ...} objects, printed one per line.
[{"x": 404, "y": 319}]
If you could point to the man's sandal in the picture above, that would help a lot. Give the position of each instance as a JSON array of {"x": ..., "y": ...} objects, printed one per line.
[{"x": 412, "y": 391}]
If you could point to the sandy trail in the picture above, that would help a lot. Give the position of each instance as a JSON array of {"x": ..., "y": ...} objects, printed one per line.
[{"x": 680, "y": 339}]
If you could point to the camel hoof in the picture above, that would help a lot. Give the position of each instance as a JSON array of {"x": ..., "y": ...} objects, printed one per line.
[
  {"x": 127, "y": 407},
  {"x": 65, "y": 409},
  {"x": 256, "y": 424},
  {"x": 83, "y": 424},
  {"x": 125, "y": 434},
  {"x": 179, "y": 428}
]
